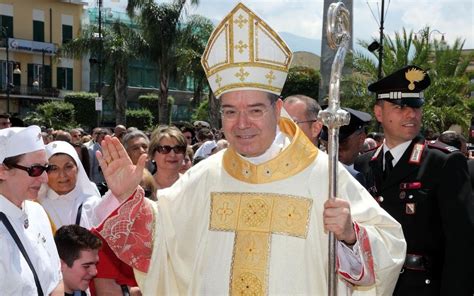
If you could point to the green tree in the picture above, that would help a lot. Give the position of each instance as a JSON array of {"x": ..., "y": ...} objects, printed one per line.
[
  {"x": 120, "y": 44},
  {"x": 202, "y": 112},
  {"x": 84, "y": 107},
  {"x": 446, "y": 98},
  {"x": 55, "y": 114},
  {"x": 160, "y": 24},
  {"x": 195, "y": 33},
  {"x": 303, "y": 81},
  {"x": 140, "y": 118}
]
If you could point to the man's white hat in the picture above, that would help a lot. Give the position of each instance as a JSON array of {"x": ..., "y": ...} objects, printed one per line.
[
  {"x": 244, "y": 53},
  {"x": 19, "y": 140}
]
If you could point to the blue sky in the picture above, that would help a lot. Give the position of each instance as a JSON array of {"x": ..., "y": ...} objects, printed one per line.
[{"x": 454, "y": 18}]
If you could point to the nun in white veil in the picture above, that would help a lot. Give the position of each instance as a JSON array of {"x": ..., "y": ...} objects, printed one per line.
[{"x": 69, "y": 197}]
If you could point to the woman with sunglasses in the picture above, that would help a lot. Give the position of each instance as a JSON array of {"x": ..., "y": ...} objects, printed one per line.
[
  {"x": 167, "y": 149},
  {"x": 69, "y": 197},
  {"x": 29, "y": 261}
]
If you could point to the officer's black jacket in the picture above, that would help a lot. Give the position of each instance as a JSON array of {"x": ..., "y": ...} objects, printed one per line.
[{"x": 430, "y": 195}]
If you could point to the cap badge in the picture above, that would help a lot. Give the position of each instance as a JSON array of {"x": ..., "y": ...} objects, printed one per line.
[{"x": 414, "y": 75}]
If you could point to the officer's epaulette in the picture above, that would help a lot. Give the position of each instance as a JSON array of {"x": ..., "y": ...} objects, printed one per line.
[{"x": 441, "y": 146}]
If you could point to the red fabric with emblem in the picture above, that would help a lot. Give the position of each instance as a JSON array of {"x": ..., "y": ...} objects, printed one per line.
[{"x": 129, "y": 231}]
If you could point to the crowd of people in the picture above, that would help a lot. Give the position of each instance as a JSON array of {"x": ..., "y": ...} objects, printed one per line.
[{"x": 190, "y": 209}]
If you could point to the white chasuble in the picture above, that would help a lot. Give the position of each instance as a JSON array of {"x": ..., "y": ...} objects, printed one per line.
[{"x": 228, "y": 226}]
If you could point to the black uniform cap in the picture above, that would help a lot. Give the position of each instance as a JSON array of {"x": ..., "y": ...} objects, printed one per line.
[
  {"x": 403, "y": 87},
  {"x": 358, "y": 120}
]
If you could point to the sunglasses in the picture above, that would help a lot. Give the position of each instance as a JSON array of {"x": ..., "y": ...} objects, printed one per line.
[
  {"x": 167, "y": 149},
  {"x": 33, "y": 171}
]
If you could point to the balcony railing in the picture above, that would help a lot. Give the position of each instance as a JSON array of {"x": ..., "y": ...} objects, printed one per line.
[{"x": 24, "y": 90}]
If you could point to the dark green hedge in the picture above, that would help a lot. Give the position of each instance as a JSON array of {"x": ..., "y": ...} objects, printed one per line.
[
  {"x": 55, "y": 114},
  {"x": 139, "y": 118},
  {"x": 84, "y": 104},
  {"x": 151, "y": 103}
]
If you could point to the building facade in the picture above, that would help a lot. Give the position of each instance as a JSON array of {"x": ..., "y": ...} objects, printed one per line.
[{"x": 30, "y": 34}]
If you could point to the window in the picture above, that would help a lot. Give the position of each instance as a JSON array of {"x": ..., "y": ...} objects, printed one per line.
[
  {"x": 67, "y": 33},
  {"x": 64, "y": 78},
  {"x": 38, "y": 31},
  {"x": 7, "y": 22}
]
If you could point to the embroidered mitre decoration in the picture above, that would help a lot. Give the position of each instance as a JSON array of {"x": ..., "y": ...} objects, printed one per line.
[{"x": 244, "y": 53}]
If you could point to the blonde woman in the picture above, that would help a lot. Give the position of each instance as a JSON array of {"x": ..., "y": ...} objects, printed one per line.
[{"x": 167, "y": 150}]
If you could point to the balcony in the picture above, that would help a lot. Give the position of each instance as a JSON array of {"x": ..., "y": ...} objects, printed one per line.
[{"x": 31, "y": 92}]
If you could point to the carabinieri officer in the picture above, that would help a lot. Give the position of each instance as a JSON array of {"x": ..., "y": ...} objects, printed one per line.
[{"x": 425, "y": 186}]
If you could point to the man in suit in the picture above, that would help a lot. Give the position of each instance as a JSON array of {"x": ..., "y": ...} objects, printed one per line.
[
  {"x": 351, "y": 141},
  {"x": 425, "y": 186}
]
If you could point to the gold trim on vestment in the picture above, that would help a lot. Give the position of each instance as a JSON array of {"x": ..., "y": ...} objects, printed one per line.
[
  {"x": 290, "y": 161},
  {"x": 254, "y": 217}
]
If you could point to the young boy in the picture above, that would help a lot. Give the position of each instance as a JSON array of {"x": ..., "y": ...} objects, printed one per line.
[{"x": 78, "y": 250}]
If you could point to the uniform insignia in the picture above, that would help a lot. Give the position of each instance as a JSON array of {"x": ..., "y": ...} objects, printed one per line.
[
  {"x": 26, "y": 223},
  {"x": 403, "y": 194},
  {"x": 416, "y": 153},
  {"x": 410, "y": 208},
  {"x": 442, "y": 146},
  {"x": 373, "y": 190},
  {"x": 414, "y": 75},
  {"x": 412, "y": 185}
]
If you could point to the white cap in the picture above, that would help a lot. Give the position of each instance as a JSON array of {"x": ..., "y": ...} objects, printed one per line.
[
  {"x": 19, "y": 140},
  {"x": 206, "y": 149},
  {"x": 244, "y": 53}
]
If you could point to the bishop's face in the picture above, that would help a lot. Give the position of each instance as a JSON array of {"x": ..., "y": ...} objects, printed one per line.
[{"x": 249, "y": 121}]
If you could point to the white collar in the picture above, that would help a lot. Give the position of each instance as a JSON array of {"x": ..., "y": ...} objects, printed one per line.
[
  {"x": 397, "y": 151},
  {"x": 11, "y": 210},
  {"x": 281, "y": 141}
]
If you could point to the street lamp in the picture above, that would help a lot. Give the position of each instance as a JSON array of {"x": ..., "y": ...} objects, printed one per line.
[
  {"x": 379, "y": 45},
  {"x": 17, "y": 70},
  {"x": 7, "y": 45},
  {"x": 426, "y": 33}
]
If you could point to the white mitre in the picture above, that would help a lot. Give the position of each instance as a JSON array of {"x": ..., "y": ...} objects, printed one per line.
[{"x": 244, "y": 53}]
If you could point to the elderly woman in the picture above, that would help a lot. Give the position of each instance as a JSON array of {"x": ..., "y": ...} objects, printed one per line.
[
  {"x": 167, "y": 150},
  {"x": 29, "y": 261},
  {"x": 69, "y": 197}
]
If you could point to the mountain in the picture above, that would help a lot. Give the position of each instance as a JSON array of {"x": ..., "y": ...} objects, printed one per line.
[{"x": 298, "y": 43}]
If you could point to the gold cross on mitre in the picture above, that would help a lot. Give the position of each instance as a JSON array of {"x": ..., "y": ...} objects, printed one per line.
[
  {"x": 255, "y": 217},
  {"x": 244, "y": 41}
]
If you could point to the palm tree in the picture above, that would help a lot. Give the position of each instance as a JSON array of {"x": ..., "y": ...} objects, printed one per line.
[
  {"x": 448, "y": 94},
  {"x": 193, "y": 40},
  {"x": 160, "y": 24},
  {"x": 120, "y": 44},
  {"x": 446, "y": 98}
]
